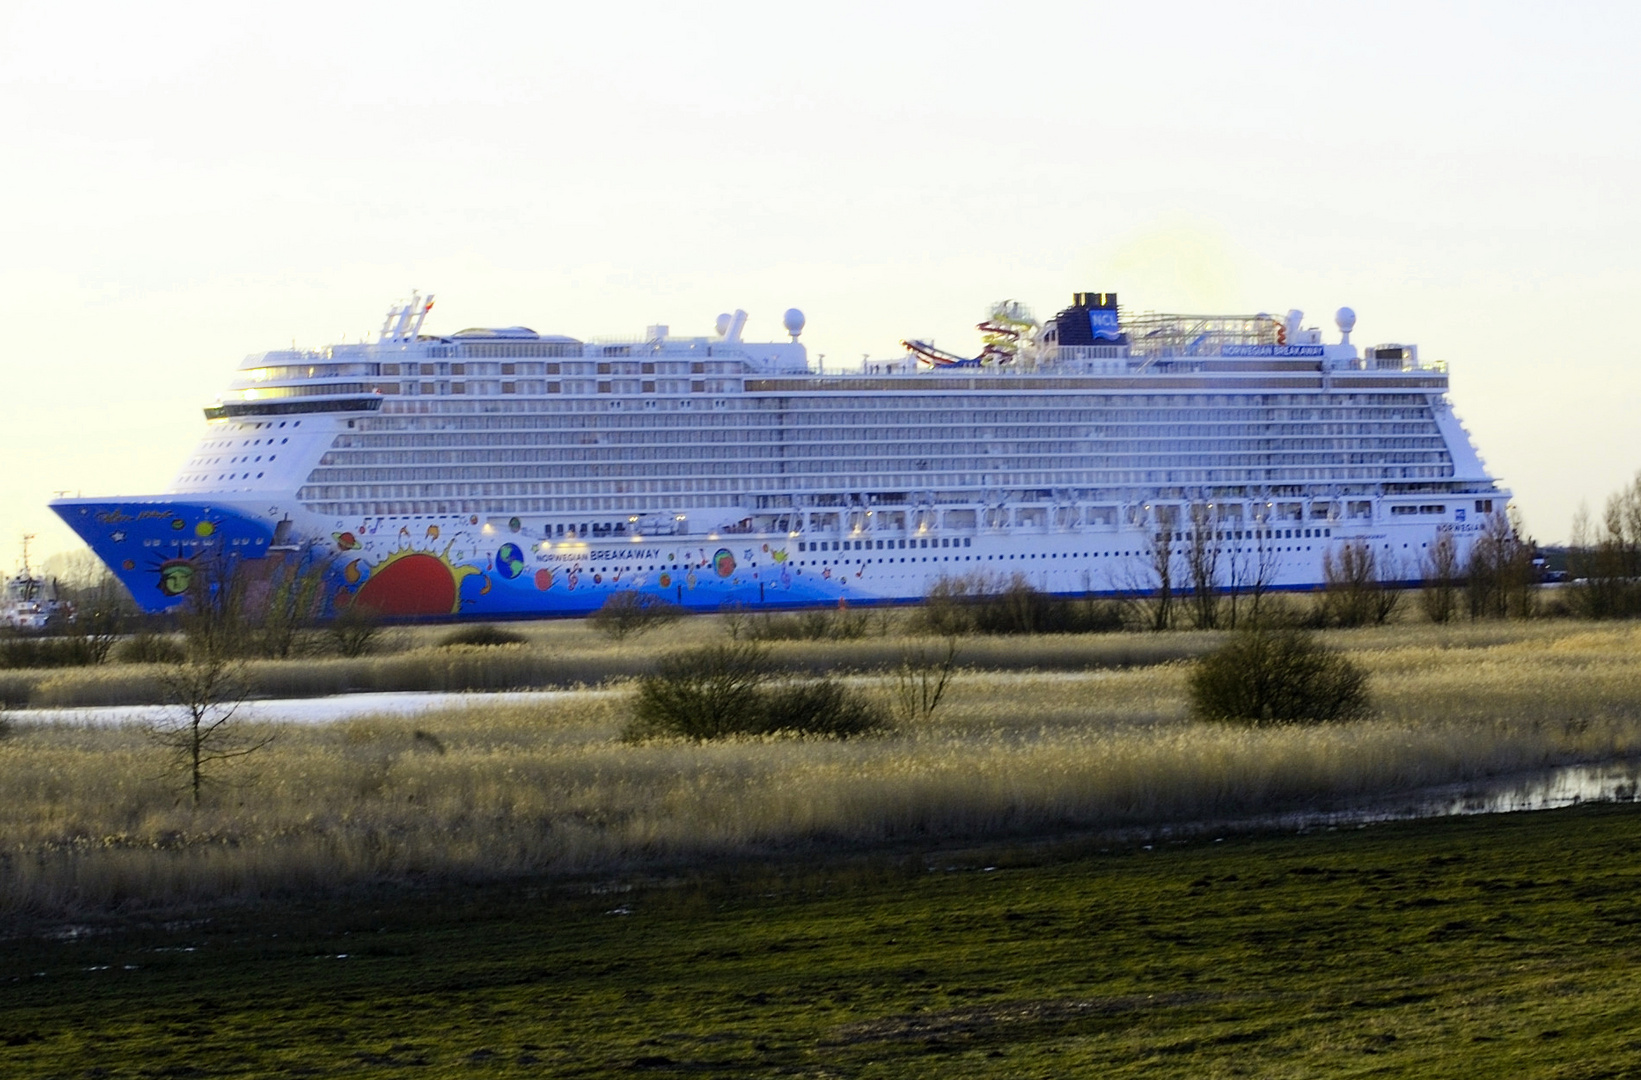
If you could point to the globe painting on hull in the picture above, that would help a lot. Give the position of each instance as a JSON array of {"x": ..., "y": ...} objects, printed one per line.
[{"x": 493, "y": 472}]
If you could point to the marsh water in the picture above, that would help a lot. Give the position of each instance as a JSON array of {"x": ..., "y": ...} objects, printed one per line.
[{"x": 319, "y": 710}]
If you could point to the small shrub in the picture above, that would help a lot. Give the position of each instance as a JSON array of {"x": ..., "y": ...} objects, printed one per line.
[
  {"x": 149, "y": 649},
  {"x": 1266, "y": 676},
  {"x": 702, "y": 694},
  {"x": 481, "y": 634},
  {"x": 723, "y": 690},
  {"x": 629, "y": 613},
  {"x": 820, "y": 707},
  {"x": 353, "y": 631}
]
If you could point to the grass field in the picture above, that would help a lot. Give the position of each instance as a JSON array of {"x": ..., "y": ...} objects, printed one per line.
[
  {"x": 92, "y": 821},
  {"x": 1501, "y": 946}
]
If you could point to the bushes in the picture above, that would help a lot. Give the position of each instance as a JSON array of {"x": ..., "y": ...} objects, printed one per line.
[
  {"x": 149, "y": 649},
  {"x": 483, "y": 634},
  {"x": 629, "y": 613},
  {"x": 353, "y": 631},
  {"x": 1273, "y": 676},
  {"x": 819, "y": 707},
  {"x": 985, "y": 604},
  {"x": 45, "y": 652},
  {"x": 815, "y": 624},
  {"x": 724, "y": 690}
]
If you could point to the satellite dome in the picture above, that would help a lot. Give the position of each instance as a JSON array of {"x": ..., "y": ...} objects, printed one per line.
[
  {"x": 723, "y": 324},
  {"x": 1345, "y": 320},
  {"x": 793, "y": 321}
]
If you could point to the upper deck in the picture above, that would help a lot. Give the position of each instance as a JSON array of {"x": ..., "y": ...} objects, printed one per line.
[{"x": 1087, "y": 347}]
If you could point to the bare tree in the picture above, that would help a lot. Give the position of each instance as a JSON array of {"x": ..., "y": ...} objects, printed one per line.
[
  {"x": 1605, "y": 560},
  {"x": 1253, "y": 567},
  {"x": 1159, "y": 566},
  {"x": 208, "y": 684},
  {"x": 1359, "y": 585},
  {"x": 1387, "y": 593},
  {"x": 1501, "y": 579},
  {"x": 289, "y": 601},
  {"x": 1349, "y": 579},
  {"x": 103, "y": 611},
  {"x": 921, "y": 681},
  {"x": 735, "y": 620},
  {"x": 1440, "y": 573},
  {"x": 1202, "y": 553},
  {"x": 207, "y": 691}
]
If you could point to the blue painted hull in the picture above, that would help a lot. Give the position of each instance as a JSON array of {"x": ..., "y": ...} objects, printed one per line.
[{"x": 446, "y": 568}]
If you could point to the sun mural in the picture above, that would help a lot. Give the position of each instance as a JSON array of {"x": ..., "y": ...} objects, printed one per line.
[{"x": 408, "y": 583}]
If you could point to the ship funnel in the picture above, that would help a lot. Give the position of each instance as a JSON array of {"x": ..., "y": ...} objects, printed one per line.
[{"x": 736, "y": 325}]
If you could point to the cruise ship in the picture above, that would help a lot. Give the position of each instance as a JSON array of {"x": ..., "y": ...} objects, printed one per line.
[{"x": 495, "y": 472}]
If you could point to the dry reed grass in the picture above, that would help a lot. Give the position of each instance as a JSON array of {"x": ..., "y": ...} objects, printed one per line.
[
  {"x": 575, "y": 661},
  {"x": 93, "y": 821}
]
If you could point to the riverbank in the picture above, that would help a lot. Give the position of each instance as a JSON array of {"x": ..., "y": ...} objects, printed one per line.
[{"x": 1499, "y": 946}]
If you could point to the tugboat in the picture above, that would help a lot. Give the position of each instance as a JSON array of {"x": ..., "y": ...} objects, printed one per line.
[{"x": 30, "y": 603}]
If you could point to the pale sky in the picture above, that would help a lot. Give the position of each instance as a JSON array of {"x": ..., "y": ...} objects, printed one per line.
[{"x": 188, "y": 183}]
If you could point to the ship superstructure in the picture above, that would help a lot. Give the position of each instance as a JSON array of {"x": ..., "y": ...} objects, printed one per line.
[{"x": 498, "y": 471}]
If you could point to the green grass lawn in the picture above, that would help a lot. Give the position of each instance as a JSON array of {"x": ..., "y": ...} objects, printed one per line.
[{"x": 1502, "y": 946}]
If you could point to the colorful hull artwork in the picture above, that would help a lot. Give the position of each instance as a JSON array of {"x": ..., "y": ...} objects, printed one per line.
[{"x": 443, "y": 567}]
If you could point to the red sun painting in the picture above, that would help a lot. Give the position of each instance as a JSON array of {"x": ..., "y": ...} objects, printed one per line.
[{"x": 414, "y": 583}]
